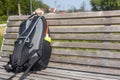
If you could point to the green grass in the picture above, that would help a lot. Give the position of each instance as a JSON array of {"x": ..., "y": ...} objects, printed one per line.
[{"x": 2, "y": 29}]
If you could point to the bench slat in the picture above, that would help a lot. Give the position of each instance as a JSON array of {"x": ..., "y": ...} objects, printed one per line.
[
  {"x": 98, "y": 37},
  {"x": 50, "y": 73},
  {"x": 94, "y": 69},
  {"x": 104, "y": 37},
  {"x": 81, "y": 53},
  {"x": 75, "y": 22},
  {"x": 7, "y": 48},
  {"x": 112, "y": 46},
  {"x": 70, "y": 29},
  {"x": 10, "y": 36},
  {"x": 34, "y": 76},
  {"x": 74, "y": 15},
  {"x": 86, "y": 61},
  {"x": 105, "y": 46},
  {"x": 80, "y": 68}
]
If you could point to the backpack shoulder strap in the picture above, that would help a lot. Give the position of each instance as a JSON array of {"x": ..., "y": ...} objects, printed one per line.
[{"x": 27, "y": 71}]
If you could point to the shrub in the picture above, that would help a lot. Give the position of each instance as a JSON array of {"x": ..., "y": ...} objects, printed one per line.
[{"x": 3, "y": 19}]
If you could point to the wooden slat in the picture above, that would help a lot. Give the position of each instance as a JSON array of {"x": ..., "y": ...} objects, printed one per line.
[
  {"x": 79, "y": 68},
  {"x": 75, "y": 22},
  {"x": 73, "y": 74},
  {"x": 82, "y": 53},
  {"x": 0, "y": 52},
  {"x": 104, "y": 37},
  {"x": 78, "y": 74},
  {"x": 7, "y": 48},
  {"x": 87, "y": 29},
  {"x": 12, "y": 30},
  {"x": 8, "y": 42},
  {"x": 112, "y": 46},
  {"x": 33, "y": 76},
  {"x": 74, "y": 15},
  {"x": 109, "y": 46},
  {"x": 74, "y": 29},
  {"x": 10, "y": 36},
  {"x": 95, "y": 69},
  {"x": 83, "y": 60},
  {"x": 84, "y": 74},
  {"x": 87, "y": 61}
]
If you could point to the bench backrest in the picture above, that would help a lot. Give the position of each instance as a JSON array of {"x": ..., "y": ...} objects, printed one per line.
[{"x": 85, "y": 41}]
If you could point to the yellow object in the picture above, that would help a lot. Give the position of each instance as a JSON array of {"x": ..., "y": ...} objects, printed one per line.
[{"x": 47, "y": 38}]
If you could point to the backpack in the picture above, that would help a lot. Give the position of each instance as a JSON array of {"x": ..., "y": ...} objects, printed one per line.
[{"x": 32, "y": 48}]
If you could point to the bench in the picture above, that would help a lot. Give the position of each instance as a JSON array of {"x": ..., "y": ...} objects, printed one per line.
[{"x": 85, "y": 46}]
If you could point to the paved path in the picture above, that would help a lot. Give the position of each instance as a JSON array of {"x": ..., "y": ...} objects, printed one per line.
[{"x": 3, "y": 25}]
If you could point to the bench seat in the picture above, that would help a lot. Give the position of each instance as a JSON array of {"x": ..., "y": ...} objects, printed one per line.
[
  {"x": 53, "y": 73},
  {"x": 85, "y": 46}
]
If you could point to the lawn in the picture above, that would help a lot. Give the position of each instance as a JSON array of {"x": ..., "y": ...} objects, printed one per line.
[{"x": 2, "y": 30}]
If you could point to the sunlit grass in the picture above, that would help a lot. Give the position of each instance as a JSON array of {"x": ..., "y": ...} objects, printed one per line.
[{"x": 2, "y": 30}]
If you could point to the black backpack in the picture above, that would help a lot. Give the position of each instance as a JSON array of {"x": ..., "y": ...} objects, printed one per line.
[{"x": 32, "y": 48}]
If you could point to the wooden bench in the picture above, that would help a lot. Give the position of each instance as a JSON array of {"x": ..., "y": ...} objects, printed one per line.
[{"x": 86, "y": 46}]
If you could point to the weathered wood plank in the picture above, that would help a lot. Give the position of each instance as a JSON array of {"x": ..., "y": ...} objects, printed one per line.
[
  {"x": 74, "y": 29},
  {"x": 10, "y": 35},
  {"x": 83, "y": 68},
  {"x": 99, "y": 37},
  {"x": 12, "y": 30},
  {"x": 105, "y": 46},
  {"x": 80, "y": 68},
  {"x": 0, "y": 52},
  {"x": 32, "y": 76},
  {"x": 111, "y": 46},
  {"x": 53, "y": 75},
  {"x": 7, "y": 48},
  {"x": 81, "y": 53},
  {"x": 104, "y": 37},
  {"x": 65, "y": 73},
  {"x": 87, "y": 61},
  {"x": 8, "y": 41},
  {"x": 86, "y": 29},
  {"x": 88, "y": 36},
  {"x": 75, "y": 22},
  {"x": 84, "y": 74},
  {"x": 74, "y": 15},
  {"x": 104, "y": 62}
]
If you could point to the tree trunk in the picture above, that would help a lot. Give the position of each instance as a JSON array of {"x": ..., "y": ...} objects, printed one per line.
[{"x": 19, "y": 11}]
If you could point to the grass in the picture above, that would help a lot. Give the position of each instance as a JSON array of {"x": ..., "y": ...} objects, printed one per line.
[{"x": 2, "y": 29}]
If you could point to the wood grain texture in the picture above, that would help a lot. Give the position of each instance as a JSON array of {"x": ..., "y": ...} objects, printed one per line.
[
  {"x": 70, "y": 29},
  {"x": 74, "y": 15},
  {"x": 94, "y": 69},
  {"x": 111, "y": 46},
  {"x": 110, "y": 63},
  {"x": 105, "y": 46},
  {"x": 75, "y": 22},
  {"x": 79, "y": 53},
  {"x": 99, "y": 37},
  {"x": 57, "y": 68}
]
